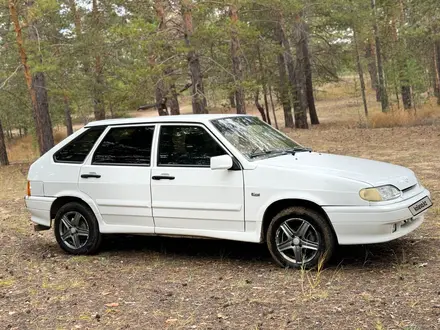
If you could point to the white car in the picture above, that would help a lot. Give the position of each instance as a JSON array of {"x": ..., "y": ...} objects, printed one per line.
[{"x": 220, "y": 176}]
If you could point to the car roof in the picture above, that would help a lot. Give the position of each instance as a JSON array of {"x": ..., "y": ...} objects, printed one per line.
[{"x": 190, "y": 118}]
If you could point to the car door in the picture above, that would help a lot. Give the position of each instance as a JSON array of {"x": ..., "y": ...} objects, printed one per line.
[
  {"x": 187, "y": 196},
  {"x": 117, "y": 177}
]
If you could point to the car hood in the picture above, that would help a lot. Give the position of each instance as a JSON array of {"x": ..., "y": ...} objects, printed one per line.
[{"x": 359, "y": 169}]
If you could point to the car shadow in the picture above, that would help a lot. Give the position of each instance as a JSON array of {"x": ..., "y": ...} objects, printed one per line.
[
  {"x": 384, "y": 255},
  {"x": 180, "y": 247}
]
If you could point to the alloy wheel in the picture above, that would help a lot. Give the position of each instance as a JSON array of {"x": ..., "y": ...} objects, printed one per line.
[
  {"x": 74, "y": 230},
  {"x": 297, "y": 240}
]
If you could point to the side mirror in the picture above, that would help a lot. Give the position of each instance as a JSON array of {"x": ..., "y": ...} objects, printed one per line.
[{"x": 223, "y": 162}]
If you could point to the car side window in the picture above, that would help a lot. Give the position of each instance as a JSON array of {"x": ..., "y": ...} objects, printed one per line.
[
  {"x": 125, "y": 146},
  {"x": 186, "y": 146},
  {"x": 77, "y": 150}
]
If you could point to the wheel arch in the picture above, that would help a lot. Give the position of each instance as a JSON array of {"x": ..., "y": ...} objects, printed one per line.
[
  {"x": 67, "y": 197},
  {"x": 282, "y": 204},
  {"x": 60, "y": 201}
]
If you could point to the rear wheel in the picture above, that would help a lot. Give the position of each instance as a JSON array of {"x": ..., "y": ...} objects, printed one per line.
[
  {"x": 299, "y": 237},
  {"x": 76, "y": 229}
]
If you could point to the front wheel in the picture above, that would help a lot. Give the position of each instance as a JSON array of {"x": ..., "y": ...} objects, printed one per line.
[
  {"x": 76, "y": 229},
  {"x": 298, "y": 237}
]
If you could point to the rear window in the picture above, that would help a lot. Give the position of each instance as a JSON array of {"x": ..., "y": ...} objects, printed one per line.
[{"x": 77, "y": 150}]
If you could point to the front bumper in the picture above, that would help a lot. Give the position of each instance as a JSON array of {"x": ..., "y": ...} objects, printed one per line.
[
  {"x": 375, "y": 224},
  {"x": 39, "y": 207}
]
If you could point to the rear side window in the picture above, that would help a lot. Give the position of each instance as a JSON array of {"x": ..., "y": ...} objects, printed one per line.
[
  {"x": 125, "y": 146},
  {"x": 77, "y": 150}
]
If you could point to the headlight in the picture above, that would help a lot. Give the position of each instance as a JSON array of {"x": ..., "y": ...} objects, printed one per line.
[{"x": 382, "y": 193}]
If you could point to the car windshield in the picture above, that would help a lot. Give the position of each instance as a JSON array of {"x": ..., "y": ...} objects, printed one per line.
[{"x": 254, "y": 138}]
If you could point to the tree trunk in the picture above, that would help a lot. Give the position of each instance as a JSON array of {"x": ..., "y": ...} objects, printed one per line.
[
  {"x": 308, "y": 74},
  {"x": 402, "y": 66},
  {"x": 236, "y": 62},
  {"x": 360, "y": 72},
  {"x": 160, "y": 93},
  {"x": 435, "y": 77},
  {"x": 300, "y": 111},
  {"x": 40, "y": 107},
  {"x": 174, "y": 101},
  {"x": 197, "y": 89},
  {"x": 3, "y": 154},
  {"x": 166, "y": 94},
  {"x": 406, "y": 96},
  {"x": 231, "y": 97},
  {"x": 283, "y": 83},
  {"x": 284, "y": 93},
  {"x": 67, "y": 116},
  {"x": 437, "y": 67},
  {"x": 263, "y": 83},
  {"x": 161, "y": 100},
  {"x": 370, "y": 54},
  {"x": 273, "y": 107},
  {"x": 98, "y": 102},
  {"x": 266, "y": 105},
  {"x": 76, "y": 18},
  {"x": 39, "y": 85},
  {"x": 259, "y": 106},
  {"x": 98, "y": 88},
  {"x": 110, "y": 108},
  {"x": 296, "y": 76},
  {"x": 382, "y": 89}
]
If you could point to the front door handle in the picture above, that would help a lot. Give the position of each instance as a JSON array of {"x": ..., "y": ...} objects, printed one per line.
[
  {"x": 90, "y": 175},
  {"x": 162, "y": 177}
]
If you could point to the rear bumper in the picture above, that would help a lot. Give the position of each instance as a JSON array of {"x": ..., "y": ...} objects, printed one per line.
[
  {"x": 39, "y": 207},
  {"x": 375, "y": 224}
]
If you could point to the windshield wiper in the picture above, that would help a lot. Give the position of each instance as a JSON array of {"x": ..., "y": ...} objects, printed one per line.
[
  {"x": 280, "y": 152},
  {"x": 297, "y": 149},
  {"x": 259, "y": 154}
]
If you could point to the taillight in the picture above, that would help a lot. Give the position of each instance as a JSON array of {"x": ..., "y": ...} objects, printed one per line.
[{"x": 28, "y": 190}]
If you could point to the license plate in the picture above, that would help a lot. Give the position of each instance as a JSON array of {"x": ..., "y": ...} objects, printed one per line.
[{"x": 420, "y": 206}]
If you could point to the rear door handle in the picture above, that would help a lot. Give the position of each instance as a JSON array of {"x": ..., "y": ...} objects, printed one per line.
[
  {"x": 90, "y": 175},
  {"x": 162, "y": 177}
]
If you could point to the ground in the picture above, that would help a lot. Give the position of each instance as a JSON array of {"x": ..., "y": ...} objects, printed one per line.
[{"x": 157, "y": 283}]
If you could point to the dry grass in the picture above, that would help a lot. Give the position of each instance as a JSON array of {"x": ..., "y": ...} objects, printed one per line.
[
  {"x": 25, "y": 149},
  {"x": 342, "y": 89},
  {"x": 340, "y": 104},
  {"x": 426, "y": 115}
]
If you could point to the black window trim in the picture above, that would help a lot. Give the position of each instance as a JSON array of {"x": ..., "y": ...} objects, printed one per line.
[
  {"x": 124, "y": 164},
  {"x": 236, "y": 163},
  {"x": 87, "y": 129}
]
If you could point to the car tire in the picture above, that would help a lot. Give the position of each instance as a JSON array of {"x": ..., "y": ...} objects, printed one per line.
[
  {"x": 76, "y": 229},
  {"x": 300, "y": 238}
]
